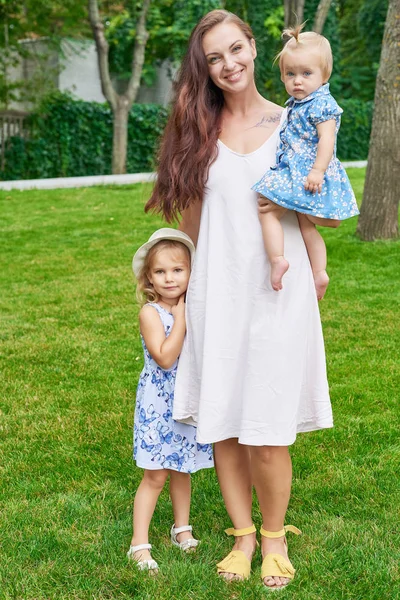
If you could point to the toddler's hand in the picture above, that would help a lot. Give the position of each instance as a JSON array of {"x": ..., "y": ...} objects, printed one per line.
[
  {"x": 314, "y": 181},
  {"x": 178, "y": 311}
]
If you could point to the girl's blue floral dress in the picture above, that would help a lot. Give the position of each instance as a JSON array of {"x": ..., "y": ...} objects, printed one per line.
[
  {"x": 159, "y": 442},
  {"x": 283, "y": 184}
]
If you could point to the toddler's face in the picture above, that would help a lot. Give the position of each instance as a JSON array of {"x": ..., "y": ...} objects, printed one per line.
[
  {"x": 169, "y": 273},
  {"x": 302, "y": 73}
]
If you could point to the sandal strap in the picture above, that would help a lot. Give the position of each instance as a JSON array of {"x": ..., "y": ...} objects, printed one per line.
[
  {"x": 240, "y": 532},
  {"x": 277, "y": 534},
  {"x": 134, "y": 549},
  {"x": 182, "y": 529}
]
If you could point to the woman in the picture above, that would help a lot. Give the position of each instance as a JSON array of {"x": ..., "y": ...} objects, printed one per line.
[{"x": 252, "y": 370}]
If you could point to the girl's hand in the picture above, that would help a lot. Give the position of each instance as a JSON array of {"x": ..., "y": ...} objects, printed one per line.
[
  {"x": 178, "y": 311},
  {"x": 314, "y": 181}
]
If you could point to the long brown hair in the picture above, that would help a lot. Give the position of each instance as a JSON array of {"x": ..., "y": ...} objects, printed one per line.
[{"x": 189, "y": 144}]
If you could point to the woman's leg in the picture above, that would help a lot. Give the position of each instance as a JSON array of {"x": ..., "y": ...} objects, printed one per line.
[
  {"x": 316, "y": 252},
  {"x": 179, "y": 489},
  {"x": 271, "y": 469},
  {"x": 232, "y": 463},
  {"x": 143, "y": 508},
  {"x": 274, "y": 243}
]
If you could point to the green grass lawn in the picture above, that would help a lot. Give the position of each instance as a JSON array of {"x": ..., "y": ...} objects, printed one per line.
[{"x": 69, "y": 363}]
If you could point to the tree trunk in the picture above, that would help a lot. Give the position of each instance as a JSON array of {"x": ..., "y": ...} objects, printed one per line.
[
  {"x": 120, "y": 104},
  {"x": 120, "y": 135},
  {"x": 294, "y": 12},
  {"x": 379, "y": 209},
  {"x": 320, "y": 15}
]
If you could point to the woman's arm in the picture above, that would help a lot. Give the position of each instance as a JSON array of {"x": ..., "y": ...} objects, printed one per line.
[
  {"x": 164, "y": 350},
  {"x": 190, "y": 222}
]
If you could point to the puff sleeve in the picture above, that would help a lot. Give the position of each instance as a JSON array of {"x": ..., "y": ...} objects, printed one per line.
[{"x": 324, "y": 109}]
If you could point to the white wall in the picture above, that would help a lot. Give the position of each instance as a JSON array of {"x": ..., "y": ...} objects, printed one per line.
[
  {"x": 79, "y": 72},
  {"x": 75, "y": 69}
]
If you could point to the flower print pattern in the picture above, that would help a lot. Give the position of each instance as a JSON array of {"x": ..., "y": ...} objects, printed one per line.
[
  {"x": 283, "y": 184},
  {"x": 159, "y": 442}
]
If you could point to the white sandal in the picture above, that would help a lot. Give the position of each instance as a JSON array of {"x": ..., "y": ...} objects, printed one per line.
[
  {"x": 143, "y": 565},
  {"x": 187, "y": 545}
]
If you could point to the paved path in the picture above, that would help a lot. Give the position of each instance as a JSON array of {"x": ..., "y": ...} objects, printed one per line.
[{"x": 75, "y": 182}]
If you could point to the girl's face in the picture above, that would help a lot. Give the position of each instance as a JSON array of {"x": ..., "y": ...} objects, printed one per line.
[
  {"x": 302, "y": 73},
  {"x": 169, "y": 273},
  {"x": 230, "y": 57}
]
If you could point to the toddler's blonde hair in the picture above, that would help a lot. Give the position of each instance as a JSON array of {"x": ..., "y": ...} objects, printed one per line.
[
  {"x": 145, "y": 291},
  {"x": 299, "y": 40}
]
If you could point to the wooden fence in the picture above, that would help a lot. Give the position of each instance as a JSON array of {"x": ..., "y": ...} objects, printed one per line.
[{"x": 12, "y": 123}]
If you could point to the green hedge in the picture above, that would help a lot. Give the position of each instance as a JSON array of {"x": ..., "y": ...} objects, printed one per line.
[
  {"x": 72, "y": 138},
  {"x": 355, "y": 129}
]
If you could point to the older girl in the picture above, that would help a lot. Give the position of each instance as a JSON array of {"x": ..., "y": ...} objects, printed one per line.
[
  {"x": 163, "y": 448},
  {"x": 252, "y": 369}
]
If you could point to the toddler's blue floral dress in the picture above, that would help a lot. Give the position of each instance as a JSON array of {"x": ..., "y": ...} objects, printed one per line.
[
  {"x": 283, "y": 183},
  {"x": 159, "y": 442}
]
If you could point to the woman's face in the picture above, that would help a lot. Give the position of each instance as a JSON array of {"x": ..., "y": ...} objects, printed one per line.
[{"x": 230, "y": 56}]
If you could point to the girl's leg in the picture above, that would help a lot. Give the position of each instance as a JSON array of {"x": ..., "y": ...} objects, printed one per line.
[
  {"x": 317, "y": 253},
  {"x": 143, "y": 508},
  {"x": 274, "y": 243},
  {"x": 179, "y": 489},
  {"x": 271, "y": 469},
  {"x": 232, "y": 463}
]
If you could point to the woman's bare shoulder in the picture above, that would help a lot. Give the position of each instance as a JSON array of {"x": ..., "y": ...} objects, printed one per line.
[{"x": 270, "y": 114}]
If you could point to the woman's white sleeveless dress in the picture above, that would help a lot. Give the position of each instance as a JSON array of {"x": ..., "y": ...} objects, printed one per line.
[{"x": 253, "y": 363}]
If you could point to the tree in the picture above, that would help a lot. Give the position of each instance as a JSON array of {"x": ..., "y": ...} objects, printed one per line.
[
  {"x": 120, "y": 103},
  {"x": 321, "y": 15},
  {"x": 380, "y": 206},
  {"x": 294, "y": 13}
]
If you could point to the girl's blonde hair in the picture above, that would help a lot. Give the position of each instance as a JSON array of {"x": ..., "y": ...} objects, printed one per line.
[
  {"x": 145, "y": 291},
  {"x": 308, "y": 39}
]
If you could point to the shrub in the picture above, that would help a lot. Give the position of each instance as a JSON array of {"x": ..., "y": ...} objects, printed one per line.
[
  {"x": 73, "y": 138},
  {"x": 355, "y": 130}
]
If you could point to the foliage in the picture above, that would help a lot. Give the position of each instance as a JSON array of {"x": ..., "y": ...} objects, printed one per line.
[
  {"x": 355, "y": 129},
  {"x": 169, "y": 24},
  {"x": 69, "y": 362},
  {"x": 30, "y": 20},
  {"x": 73, "y": 138},
  {"x": 361, "y": 25}
]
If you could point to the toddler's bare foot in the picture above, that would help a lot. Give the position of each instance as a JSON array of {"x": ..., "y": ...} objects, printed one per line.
[
  {"x": 321, "y": 281},
  {"x": 279, "y": 266}
]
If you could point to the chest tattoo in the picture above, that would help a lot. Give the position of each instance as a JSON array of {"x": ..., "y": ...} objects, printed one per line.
[{"x": 266, "y": 120}]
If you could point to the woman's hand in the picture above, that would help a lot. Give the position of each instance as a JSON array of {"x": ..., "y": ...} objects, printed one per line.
[
  {"x": 314, "y": 180},
  {"x": 265, "y": 205}
]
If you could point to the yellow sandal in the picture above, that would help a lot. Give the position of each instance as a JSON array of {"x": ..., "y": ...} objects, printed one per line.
[
  {"x": 275, "y": 565},
  {"x": 236, "y": 562}
]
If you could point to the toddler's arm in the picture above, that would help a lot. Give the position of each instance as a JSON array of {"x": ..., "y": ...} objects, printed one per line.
[
  {"x": 326, "y": 145},
  {"x": 164, "y": 350}
]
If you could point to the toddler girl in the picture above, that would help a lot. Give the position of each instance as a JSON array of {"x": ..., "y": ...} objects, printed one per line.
[
  {"x": 163, "y": 447},
  {"x": 308, "y": 178}
]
